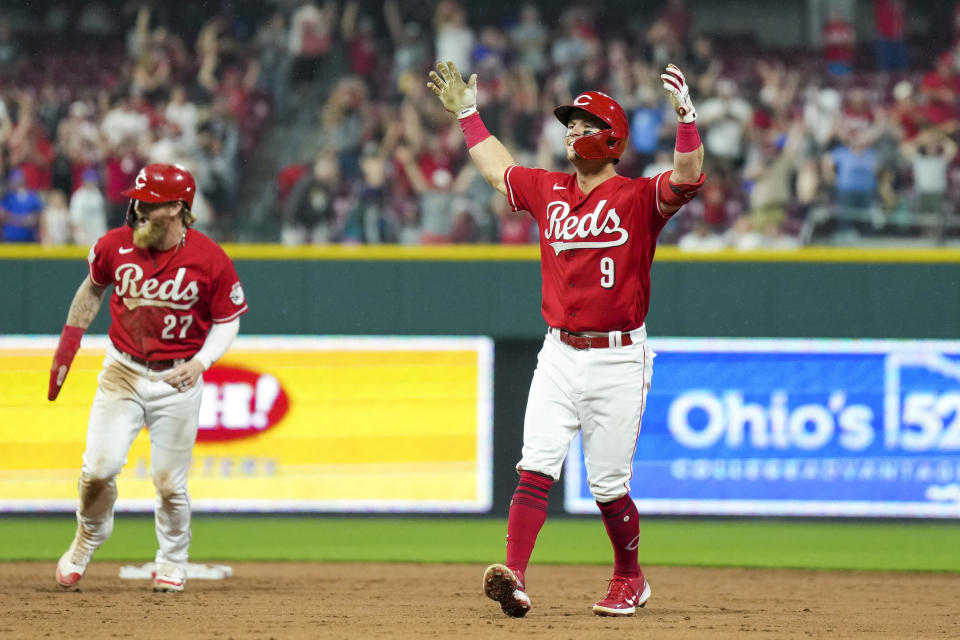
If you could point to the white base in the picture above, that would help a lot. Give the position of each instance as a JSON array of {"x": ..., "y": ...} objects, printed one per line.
[{"x": 194, "y": 571}]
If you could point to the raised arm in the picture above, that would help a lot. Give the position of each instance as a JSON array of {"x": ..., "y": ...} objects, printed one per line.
[
  {"x": 687, "y": 177},
  {"x": 460, "y": 98},
  {"x": 86, "y": 303}
]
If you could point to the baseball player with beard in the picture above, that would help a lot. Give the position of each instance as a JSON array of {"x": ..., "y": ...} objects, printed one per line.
[
  {"x": 598, "y": 234},
  {"x": 175, "y": 309}
]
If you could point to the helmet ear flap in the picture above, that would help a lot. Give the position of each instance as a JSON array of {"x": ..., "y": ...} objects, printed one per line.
[{"x": 600, "y": 145}]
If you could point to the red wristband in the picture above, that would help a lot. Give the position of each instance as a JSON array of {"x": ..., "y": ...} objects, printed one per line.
[
  {"x": 473, "y": 129},
  {"x": 688, "y": 138}
]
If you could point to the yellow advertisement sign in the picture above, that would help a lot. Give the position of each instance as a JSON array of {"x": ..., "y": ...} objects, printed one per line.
[{"x": 286, "y": 423}]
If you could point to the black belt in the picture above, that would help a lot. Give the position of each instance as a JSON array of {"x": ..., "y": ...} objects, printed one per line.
[{"x": 580, "y": 341}]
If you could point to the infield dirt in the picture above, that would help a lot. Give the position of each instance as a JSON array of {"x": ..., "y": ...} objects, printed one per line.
[{"x": 358, "y": 601}]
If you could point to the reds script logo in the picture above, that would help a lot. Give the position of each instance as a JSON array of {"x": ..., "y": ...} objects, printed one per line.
[
  {"x": 571, "y": 232},
  {"x": 171, "y": 294}
]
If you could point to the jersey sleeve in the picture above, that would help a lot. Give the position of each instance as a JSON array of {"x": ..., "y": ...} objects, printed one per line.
[
  {"x": 98, "y": 260},
  {"x": 648, "y": 200},
  {"x": 227, "y": 301},
  {"x": 523, "y": 186}
]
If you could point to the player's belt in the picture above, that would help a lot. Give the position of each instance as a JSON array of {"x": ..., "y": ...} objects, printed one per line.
[
  {"x": 153, "y": 365},
  {"x": 580, "y": 341}
]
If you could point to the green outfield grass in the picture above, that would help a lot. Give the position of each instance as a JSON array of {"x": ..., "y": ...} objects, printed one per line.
[{"x": 897, "y": 546}]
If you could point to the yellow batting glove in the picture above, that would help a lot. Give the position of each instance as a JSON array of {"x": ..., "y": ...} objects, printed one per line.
[{"x": 458, "y": 97}]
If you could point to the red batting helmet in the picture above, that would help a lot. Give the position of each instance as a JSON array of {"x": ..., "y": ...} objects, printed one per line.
[
  {"x": 161, "y": 183},
  {"x": 608, "y": 143}
]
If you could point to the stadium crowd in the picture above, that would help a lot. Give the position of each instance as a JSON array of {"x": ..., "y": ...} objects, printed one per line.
[{"x": 850, "y": 142}]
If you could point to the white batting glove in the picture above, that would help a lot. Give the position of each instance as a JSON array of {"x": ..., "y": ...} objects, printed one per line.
[
  {"x": 458, "y": 97},
  {"x": 679, "y": 92}
]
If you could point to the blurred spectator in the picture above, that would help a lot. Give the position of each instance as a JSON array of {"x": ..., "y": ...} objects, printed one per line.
[
  {"x": 662, "y": 44},
  {"x": 48, "y": 110},
  {"x": 723, "y": 119},
  {"x": 411, "y": 52},
  {"x": 676, "y": 15},
  {"x": 821, "y": 111},
  {"x": 661, "y": 161},
  {"x": 701, "y": 238},
  {"x": 852, "y": 170},
  {"x": 839, "y": 43},
  {"x": 20, "y": 210},
  {"x": 743, "y": 237},
  {"x": 939, "y": 89},
  {"x": 720, "y": 204},
  {"x": 183, "y": 113},
  {"x": 454, "y": 38},
  {"x": 215, "y": 170},
  {"x": 575, "y": 44},
  {"x": 311, "y": 38},
  {"x": 371, "y": 225},
  {"x": 529, "y": 39},
  {"x": 903, "y": 114},
  {"x": 78, "y": 138},
  {"x": 515, "y": 227},
  {"x": 930, "y": 155},
  {"x": 647, "y": 125},
  {"x": 436, "y": 181},
  {"x": 88, "y": 210},
  {"x": 703, "y": 66},
  {"x": 891, "y": 23},
  {"x": 858, "y": 115},
  {"x": 123, "y": 123},
  {"x": 55, "y": 221},
  {"x": 942, "y": 84},
  {"x": 771, "y": 169},
  {"x": 274, "y": 57},
  {"x": 122, "y": 164},
  {"x": 309, "y": 217},
  {"x": 358, "y": 32}
]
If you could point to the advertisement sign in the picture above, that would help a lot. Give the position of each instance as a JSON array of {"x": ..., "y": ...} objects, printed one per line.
[
  {"x": 795, "y": 427},
  {"x": 286, "y": 424}
]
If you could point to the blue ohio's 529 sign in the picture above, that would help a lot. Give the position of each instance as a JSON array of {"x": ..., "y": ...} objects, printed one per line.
[{"x": 796, "y": 427}]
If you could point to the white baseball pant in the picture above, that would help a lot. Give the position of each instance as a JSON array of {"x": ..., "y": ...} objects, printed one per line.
[
  {"x": 128, "y": 397},
  {"x": 599, "y": 392}
]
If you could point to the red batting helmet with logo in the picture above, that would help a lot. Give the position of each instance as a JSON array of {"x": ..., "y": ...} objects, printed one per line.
[
  {"x": 161, "y": 183},
  {"x": 608, "y": 143}
]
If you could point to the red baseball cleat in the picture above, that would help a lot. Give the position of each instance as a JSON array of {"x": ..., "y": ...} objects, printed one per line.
[
  {"x": 624, "y": 596},
  {"x": 505, "y": 585}
]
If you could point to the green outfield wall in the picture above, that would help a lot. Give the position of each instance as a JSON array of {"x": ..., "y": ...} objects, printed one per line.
[{"x": 495, "y": 291}]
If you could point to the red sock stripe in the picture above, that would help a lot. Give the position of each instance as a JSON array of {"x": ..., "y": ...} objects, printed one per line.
[
  {"x": 528, "y": 511},
  {"x": 536, "y": 495},
  {"x": 616, "y": 508},
  {"x": 540, "y": 505}
]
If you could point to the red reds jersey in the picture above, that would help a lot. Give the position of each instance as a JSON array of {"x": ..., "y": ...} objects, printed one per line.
[
  {"x": 595, "y": 250},
  {"x": 164, "y": 302}
]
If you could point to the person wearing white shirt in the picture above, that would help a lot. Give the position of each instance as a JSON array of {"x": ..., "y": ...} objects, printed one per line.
[{"x": 88, "y": 210}]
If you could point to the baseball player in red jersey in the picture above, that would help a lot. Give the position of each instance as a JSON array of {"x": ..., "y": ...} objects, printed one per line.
[
  {"x": 175, "y": 309},
  {"x": 598, "y": 234}
]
